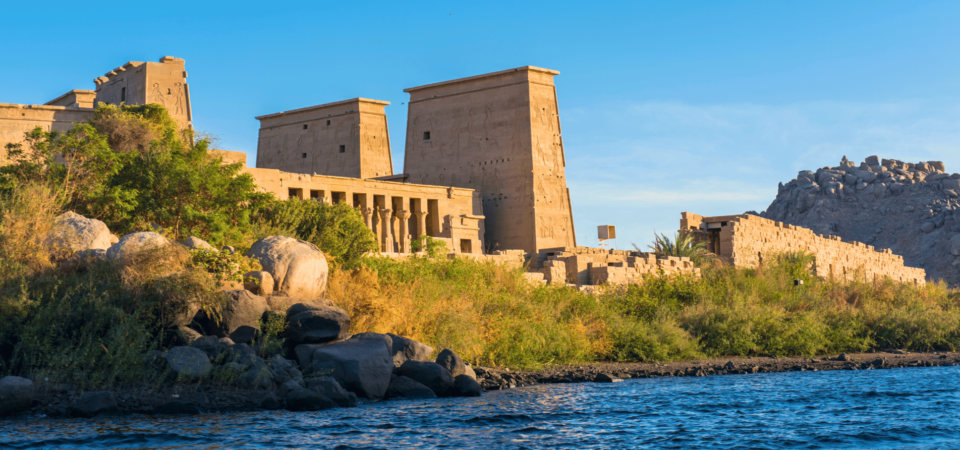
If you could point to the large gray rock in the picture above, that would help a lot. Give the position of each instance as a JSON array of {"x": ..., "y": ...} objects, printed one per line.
[
  {"x": 329, "y": 387},
  {"x": 951, "y": 183},
  {"x": 259, "y": 282},
  {"x": 239, "y": 319},
  {"x": 451, "y": 361},
  {"x": 297, "y": 267},
  {"x": 195, "y": 243},
  {"x": 188, "y": 362},
  {"x": 464, "y": 386},
  {"x": 405, "y": 387},
  {"x": 91, "y": 404},
  {"x": 72, "y": 232},
  {"x": 318, "y": 324},
  {"x": 431, "y": 375},
  {"x": 134, "y": 243},
  {"x": 362, "y": 366},
  {"x": 308, "y": 400},
  {"x": 404, "y": 349},
  {"x": 212, "y": 345},
  {"x": 16, "y": 394},
  {"x": 283, "y": 369}
]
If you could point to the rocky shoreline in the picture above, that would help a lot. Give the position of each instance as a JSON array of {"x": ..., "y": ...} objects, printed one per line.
[
  {"x": 54, "y": 400},
  {"x": 494, "y": 379}
]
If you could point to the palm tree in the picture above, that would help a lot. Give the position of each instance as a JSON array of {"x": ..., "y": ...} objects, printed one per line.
[{"x": 682, "y": 245}]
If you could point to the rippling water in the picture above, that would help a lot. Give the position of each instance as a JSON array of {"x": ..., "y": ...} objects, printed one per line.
[{"x": 899, "y": 408}]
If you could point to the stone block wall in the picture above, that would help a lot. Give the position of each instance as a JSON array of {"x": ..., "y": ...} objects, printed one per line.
[
  {"x": 748, "y": 241},
  {"x": 586, "y": 266}
]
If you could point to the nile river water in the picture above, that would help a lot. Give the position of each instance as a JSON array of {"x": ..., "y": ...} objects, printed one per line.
[{"x": 915, "y": 408}]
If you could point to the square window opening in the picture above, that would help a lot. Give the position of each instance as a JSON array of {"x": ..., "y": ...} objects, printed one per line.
[
  {"x": 328, "y": 122},
  {"x": 466, "y": 246},
  {"x": 304, "y": 155},
  {"x": 343, "y": 149},
  {"x": 426, "y": 135},
  {"x": 304, "y": 126}
]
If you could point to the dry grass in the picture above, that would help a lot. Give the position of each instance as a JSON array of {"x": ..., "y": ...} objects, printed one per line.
[{"x": 26, "y": 218}]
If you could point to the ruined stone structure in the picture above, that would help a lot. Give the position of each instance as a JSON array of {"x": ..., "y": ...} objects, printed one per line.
[
  {"x": 344, "y": 139},
  {"x": 134, "y": 83},
  {"x": 396, "y": 212},
  {"x": 585, "y": 266},
  {"x": 747, "y": 241},
  {"x": 499, "y": 134}
]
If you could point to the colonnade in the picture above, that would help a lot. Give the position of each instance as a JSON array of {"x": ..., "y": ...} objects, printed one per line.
[{"x": 390, "y": 238}]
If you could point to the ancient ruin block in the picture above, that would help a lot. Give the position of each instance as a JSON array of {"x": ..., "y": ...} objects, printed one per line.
[
  {"x": 140, "y": 83},
  {"x": 726, "y": 236},
  {"x": 345, "y": 139},
  {"x": 497, "y": 133}
]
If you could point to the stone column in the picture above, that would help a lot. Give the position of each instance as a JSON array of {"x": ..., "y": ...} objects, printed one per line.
[
  {"x": 421, "y": 224},
  {"x": 404, "y": 239},
  {"x": 386, "y": 241},
  {"x": 367, "y": 218}
]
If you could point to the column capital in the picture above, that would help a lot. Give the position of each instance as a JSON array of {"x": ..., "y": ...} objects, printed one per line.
[
  {"x": 385, "y": 212},
  {"x": 403, "y": 214}
]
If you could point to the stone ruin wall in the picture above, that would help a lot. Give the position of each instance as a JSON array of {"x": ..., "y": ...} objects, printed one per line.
[
  {"x": 349, "y": 138},
  {"x": 499, "y": 134},
  {"x": 15, "y": 120},
  {"x": 747, "y": 240},
  {"x": 585, "y": 266}
]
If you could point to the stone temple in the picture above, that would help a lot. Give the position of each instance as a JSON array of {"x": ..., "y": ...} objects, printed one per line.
[{"x": 484, "y": 172}]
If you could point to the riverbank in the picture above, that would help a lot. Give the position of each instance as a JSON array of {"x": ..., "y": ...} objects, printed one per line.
[{"x": 495, "y": 379}]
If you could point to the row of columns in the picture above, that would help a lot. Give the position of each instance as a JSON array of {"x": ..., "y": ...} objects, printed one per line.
[{"x": 385, "y": 235}]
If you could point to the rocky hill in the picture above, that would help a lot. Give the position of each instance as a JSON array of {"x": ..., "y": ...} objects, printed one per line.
[{"x": 910, "y": 208}]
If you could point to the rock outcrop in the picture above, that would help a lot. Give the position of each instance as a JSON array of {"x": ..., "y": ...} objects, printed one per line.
[
  {"x": 134, "y": 243},
  {"x": 910, "y": 208},
  {"x": 238, "y": 320},
  {"x": 73, "y": 233},
  {"x": 16, "y": 393},
  {"x": 298, "y": 267},
  {"x": 362, "y": 366}
]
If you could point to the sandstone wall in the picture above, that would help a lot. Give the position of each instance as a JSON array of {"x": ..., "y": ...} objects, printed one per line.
[
  {"x": 595, "y": 266},
  {"x": 139, "y": 83},
  {"x": 499, "y": 134},
  {"x": 345, "y": 139},
  {"x": 15, "y": 120},
  {"x": 747, "y": 241}
]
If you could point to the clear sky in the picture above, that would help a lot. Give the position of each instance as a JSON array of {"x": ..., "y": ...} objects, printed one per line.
[{"x": 666, "y": 106}]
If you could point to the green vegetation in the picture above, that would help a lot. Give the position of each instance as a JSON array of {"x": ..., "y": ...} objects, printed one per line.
[
  {"x": 133, "y": 169},
  {"x": 491, "y": 316},
  {"x": 683, "y": 244}
]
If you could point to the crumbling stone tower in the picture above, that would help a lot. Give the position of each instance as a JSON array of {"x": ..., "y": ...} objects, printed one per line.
[
  {"x": 139, "y": 83},
  {"x": 345, "y": 139},
  {"x": 499, "y": 134}
]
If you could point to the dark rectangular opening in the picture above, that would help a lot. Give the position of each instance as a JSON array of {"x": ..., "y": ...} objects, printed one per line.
[
  {"x": 466, "y": 246},
  {"x": 123, "y": 94},
  {"x": 295, "y": 193},
  {"x": 343, "y": 149},
  {"x": 328, "y": 122},
  {"x": 359, "y": 200},
  {"x": 338, "y": 197},
  {"x": 304, "y": 155},
  {"x": 433, "y": 218},
  {"x": 316, "y": 194},
  {"x": 426, "y": 135},
  {"x": 304, "y": 126}
]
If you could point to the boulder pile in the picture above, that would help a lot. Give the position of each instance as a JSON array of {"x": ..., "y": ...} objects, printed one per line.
[
  {"x": 909, "y": 208},
  {"x": 329, "y": 367}
]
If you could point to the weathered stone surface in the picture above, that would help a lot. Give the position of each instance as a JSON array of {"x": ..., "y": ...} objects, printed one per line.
[
  {"x": 429, "y": 374},
  {"x": 927, "y": 227},
  {"x": 188, "y": 362},
  {"x": 195, "y": 243},
  {"x": 240, "y": 316},
  {"x": 318, "y": 324},
  {"x": 450, "y": 360},
  {"x": 91, "y": 404},
  {"x": 211, "y": 345},
  {"x": 16, "y": 393},
  {"x": 72, "y": 232},
  {"x": 258, "y": 376},
  {"x": 188, "y": 335},
  {"x": 464, "y": 386},
  {"x": 270, "y": 402},
  {"x": 134, "y": 243},
  {"x": 297, "y": 267},
  {"x": 290, "y": 386},
  {"x": 259, "y": 282},
  {"x": 404, "y": 349},
  {"x": 405, "y": 387},
  {"x": 362, "y": 366},
  {"x": 308, "y": 400},
  {"x": 468, "y": 371},
  {"x": 329, "y": 387}
]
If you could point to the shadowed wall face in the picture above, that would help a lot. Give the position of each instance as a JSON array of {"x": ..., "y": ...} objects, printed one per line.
[
  {"x": 344, "y": 139},
  {"x": 499, "y": 134}
]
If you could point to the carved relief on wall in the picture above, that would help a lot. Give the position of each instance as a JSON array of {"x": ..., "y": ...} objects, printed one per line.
[
  {"x": 158, "y": 95},
  {"x": 178, "y": 107}
]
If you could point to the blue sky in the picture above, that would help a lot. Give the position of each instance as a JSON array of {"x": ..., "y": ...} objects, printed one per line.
[{"x": 666, "y": 106}]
